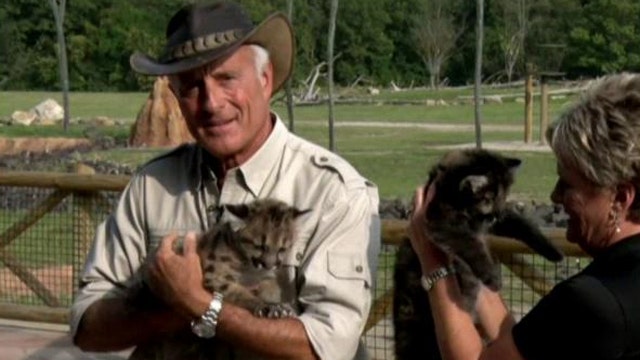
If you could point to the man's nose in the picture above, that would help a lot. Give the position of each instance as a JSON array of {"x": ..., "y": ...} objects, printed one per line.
[{"x": 213, "y": 97}]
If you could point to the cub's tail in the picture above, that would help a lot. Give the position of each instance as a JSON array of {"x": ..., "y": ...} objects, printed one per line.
[{"x": 516, "y": 226}]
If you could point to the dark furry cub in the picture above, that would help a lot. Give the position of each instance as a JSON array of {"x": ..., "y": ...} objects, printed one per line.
[{"x": 471, "y": 188}]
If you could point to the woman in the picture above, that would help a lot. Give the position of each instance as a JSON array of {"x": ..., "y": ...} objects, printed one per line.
[{"x": 595, "y": 314}]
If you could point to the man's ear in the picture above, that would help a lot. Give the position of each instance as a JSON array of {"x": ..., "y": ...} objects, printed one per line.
[{"x": 266, "y": 80}]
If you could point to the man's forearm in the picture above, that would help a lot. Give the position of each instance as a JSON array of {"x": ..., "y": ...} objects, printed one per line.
[
  {"x": 109, "y": 325},
  {"x": 275, "y": 339}
]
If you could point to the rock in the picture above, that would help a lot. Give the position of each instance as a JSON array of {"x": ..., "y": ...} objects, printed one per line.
[
  {"x": 49, "y": 110},
  {"x": 23, "y": 117},
  {"x": 160, "y": 122},
  {"x": 373, "y": 91},
  {"x": 46, "y": 122},
  {"x": 493, "y": 99},
  {"x": 103, "y": 121}
]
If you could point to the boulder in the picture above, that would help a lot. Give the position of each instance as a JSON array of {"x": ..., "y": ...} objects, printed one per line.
[
  {"x": 48, "y": 111},
  {"x": 160, "y": 122},
  {"x": 23, "y": 117}
]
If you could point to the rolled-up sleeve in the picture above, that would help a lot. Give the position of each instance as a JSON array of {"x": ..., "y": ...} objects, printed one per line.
[
  {"x": 338, "y": 272},
  {"x": 116, "y": 253}
]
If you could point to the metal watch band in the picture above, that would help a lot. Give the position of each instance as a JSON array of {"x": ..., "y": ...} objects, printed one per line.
[
  {"x": 430, "y": 280},
  {"x": 205, "y": 326}
]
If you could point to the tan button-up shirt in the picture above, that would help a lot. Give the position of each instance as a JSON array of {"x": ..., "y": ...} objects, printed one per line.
[{"x": 330, "y": 267}]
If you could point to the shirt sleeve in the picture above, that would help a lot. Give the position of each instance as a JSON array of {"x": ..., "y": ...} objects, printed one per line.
[
  {"x": 116, "y": 253},
  {"x": 337, "y": 273},
  {"x": 579, "y": 319}
]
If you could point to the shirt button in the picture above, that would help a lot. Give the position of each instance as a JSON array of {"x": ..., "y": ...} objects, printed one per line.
[
  {"x": 298, "y": 256},
  {"x": 359, "y": 268},
  {"x": 211, "y": 208},
  {"x": 324, "y": 159}
]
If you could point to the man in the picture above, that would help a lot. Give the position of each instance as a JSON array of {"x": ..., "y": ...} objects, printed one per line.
[{"x": 223, "y": 71}]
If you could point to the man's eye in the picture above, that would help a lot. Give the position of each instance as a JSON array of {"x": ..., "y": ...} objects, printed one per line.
[{"x": 188, "y": 89}]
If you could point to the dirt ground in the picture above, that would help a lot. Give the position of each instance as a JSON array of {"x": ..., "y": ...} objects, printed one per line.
[
  {"x": 57, "y": 279},
  {"x": 14, "y": 146}
]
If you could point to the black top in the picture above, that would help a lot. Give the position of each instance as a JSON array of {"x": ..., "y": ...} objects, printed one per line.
[{"x": 593, "y": 315}]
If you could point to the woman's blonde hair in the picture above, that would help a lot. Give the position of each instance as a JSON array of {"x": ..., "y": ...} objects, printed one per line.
[{"x": 598, "y": 136}]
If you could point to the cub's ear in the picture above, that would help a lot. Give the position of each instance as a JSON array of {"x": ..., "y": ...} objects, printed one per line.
[
  {"x": 241, "y": 211},
  {"x": 474, "y": 183},
  {"x": 513, "y": 164}
]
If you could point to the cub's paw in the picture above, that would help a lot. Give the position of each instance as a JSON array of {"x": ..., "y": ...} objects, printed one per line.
[{"x": 275, "y": 311}]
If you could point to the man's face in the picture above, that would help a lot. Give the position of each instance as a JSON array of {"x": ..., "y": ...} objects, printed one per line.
[{"x": 226, "y": 105}]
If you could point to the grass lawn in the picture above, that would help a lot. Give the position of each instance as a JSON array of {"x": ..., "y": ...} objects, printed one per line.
[{"x": 397, "y": 159}]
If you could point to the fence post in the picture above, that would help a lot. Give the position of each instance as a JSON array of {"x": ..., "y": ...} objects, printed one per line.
[
  {"x": 528, "y": 107},
  {"x": 544, "y": 106},
  {"x": 83, "y": 225}
]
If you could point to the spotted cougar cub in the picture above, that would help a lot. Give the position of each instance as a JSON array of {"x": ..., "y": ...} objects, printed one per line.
[{"x": 241, "y": 261}]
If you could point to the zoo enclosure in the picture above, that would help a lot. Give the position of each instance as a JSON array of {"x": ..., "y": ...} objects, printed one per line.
[{"x": 48, "y": 219}]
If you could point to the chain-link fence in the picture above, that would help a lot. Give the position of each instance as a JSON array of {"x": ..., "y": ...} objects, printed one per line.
[{"x": 46, "y": 230}]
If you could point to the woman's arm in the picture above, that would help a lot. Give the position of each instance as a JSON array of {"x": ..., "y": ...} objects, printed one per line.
[{"x": 457, "y": 335}]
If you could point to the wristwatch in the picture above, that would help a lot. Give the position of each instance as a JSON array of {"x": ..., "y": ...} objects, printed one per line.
[
  {"x": 205, "y": 326},
  {"x": 429, "y": 280}
]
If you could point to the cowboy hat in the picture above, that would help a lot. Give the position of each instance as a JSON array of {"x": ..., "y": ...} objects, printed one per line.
[{"x": 201, "y": 33}]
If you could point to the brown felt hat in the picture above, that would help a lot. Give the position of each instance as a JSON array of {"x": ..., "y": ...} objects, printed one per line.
[{"x": 201, "y": 33}]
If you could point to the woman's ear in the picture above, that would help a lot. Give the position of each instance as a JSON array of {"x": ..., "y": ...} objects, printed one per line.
[{"x": 625, "y": 195}]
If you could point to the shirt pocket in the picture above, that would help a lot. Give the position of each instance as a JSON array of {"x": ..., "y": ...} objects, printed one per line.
[
  {"x": 289, "y": 277},
  {"x": 348, "y": 266}
]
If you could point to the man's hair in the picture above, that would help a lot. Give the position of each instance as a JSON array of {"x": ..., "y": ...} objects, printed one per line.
[
  {"x": 598, "y": 136},
  {"x": 261, "y": 58}
]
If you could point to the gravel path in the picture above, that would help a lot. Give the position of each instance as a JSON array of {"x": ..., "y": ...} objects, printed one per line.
[{"x": 418, "y": 125}]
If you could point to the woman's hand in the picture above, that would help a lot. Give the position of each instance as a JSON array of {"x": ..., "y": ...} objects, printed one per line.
[{"x": 431, "y": 257}]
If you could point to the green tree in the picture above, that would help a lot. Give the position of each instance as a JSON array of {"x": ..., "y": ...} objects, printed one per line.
[
  {"x": 28, "y": 46},
  {"x": 436, "y": 34},
  {"x": 406, "y": 63},
  {"x": 364, "y": 47},
  {"x": 605, "y": 39}
]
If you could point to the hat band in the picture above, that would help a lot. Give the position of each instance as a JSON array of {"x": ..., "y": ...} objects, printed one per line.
[{"x": 205, "y": 43}]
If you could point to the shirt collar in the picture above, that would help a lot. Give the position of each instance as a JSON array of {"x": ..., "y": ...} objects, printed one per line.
[{"x": 255, "y": 170}]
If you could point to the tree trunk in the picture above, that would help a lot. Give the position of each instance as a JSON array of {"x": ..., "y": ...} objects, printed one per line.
[
  {"x": 58, "y": 14},
  {"x": 288, "y": 90},
  {"x": 330, "y": 59},
  {"x": 478, "y": 73}
]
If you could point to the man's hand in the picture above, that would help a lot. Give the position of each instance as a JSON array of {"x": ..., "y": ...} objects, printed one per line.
[{"x": 177, "y": 278}]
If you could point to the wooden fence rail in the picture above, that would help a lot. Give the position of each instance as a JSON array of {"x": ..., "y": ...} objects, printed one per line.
[{"x": 86, "y": 193}]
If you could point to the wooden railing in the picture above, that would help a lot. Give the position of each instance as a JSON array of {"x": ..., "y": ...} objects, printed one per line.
[{"x": 87, "y": 190}]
